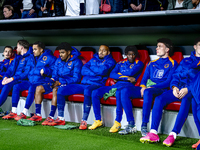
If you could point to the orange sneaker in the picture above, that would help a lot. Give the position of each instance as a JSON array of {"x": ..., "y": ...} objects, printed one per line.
[
  {"x": 57, "y": 122},
  {"x": 35, "y": 118},
  {"x": 21, "y": 116},
  {"x": 47, "y": 121},
  {"x": 83, "y": 125},
  {"x": 11, "y": 115},
  {"x": 196, "y": 144}
]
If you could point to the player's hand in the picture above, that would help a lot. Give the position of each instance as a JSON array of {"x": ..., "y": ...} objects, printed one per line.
[
  {"x": 176, "y": 92},
  {"x": 139, "y": 7},
  {"x": 7, "y": 80},
  {"x": 31, "y": 12},
  {"x": 56, "y": 84},
  {"x": 42, "y": 72},
  {"x": 115, "y": 81},
  {"x": 3, "y": 81},
  {"x": 133, "y": 7},
  {"x": 142, "y": 91},
  {"x": 131, "y": 79},
  {"x": 183, "y": 92}
]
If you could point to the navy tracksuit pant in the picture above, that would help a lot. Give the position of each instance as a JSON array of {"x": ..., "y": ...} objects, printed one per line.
[
  {"x": 131, "y": 92},
  {"x": 165, "y": 99},
  {"x": 75, "y": 89}
]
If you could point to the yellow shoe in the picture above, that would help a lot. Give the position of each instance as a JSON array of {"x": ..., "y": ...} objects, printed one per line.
[
  {"x": 116, "y": 126},
  {"x": 97, "y": 123}
]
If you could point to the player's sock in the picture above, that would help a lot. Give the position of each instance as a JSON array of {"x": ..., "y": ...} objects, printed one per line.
[
  {"x": 132, "y": 122},
  {"x": 14, "y": 109},
  {"x": 38, "y": 108},
  {"x": 25, "y": 111},
  {"x": 61, "y": 118},
  {"x": 153, "y": 131},
  {"x": 53, "y": 110},
  {"x": 174, "y": 134}
]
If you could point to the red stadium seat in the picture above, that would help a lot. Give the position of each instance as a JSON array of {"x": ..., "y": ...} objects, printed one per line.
[
  {"x": 48, "y": 96},
  {"x": 116, "y": 53},
  {"x": 117, "y": 56},
  {"x": 76, "y": 98},
  {"x": 24, "y": 93},
  {"x": 175, "y": 106},
  {"x": 86, "y": 56},
  {"x": 144, "y": 57},
  {"x": 15, "y": 52},
  {"x": 56, "y": 53},
  {"x": 178, "y": 56}
]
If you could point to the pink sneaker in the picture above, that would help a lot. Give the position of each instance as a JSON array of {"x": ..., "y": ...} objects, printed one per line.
[
  {"x": 169, "y": 141},
  {"x": 150, "y": 137}
]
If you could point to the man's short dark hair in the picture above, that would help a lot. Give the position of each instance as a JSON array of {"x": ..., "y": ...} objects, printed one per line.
[
  {"x": 64, "y": 45},
  {"x": 40, "y": 44},
  {"x": 197, "y": 40},
  {"x": 132, "y": 48},
  {"x": 9, "y": 7},
  {"x": 24, "y": 43},
  {"x": 168, "y": 43},
  {"x": 106, "y": 46},
  {"x": 8, "y": 47}
]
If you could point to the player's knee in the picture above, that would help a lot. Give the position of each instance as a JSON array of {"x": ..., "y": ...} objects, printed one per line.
[
  {"x": 147, "y": 91},
  {"x": 148, "y": 95},
  {"x": 158, "y": 102},
  {"x": 125, "y": 93},
  {"x": 55, "y": 90},
  {"x": 16, "y": 87},
  {"x": 95, "y": 93},
  {"x": 39, "y": 89}
]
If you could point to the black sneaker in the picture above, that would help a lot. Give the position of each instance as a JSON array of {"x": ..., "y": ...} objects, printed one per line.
[
  {"x": 128, "y": 129},
  {"x": 144, "y": 131}
]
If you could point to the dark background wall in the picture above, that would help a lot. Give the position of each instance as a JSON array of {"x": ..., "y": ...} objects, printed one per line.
[{"x": 113, "y": 30}]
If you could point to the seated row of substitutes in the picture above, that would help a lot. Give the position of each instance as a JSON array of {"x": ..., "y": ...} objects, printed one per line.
[{"x": 37, "y": 70}]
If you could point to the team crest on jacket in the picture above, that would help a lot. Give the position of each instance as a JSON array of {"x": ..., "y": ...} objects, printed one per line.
[
  {"x": 131, "y": 66},
  {"x": 166, "y": 66},
  {"x": 44, "y": 58},
  {"x": 22, "y": 59},
  {"x": 70, "y": 63}
]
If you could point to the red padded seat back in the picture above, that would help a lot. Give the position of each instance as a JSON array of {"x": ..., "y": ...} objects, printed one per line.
[
  {"x": 110, "y": 82},
  {"x": 143, "y": 55},
  {"x": 117, "y": 56},
  {"x": 178, "y": 56},
  {"x": 86, "y": 56},
  {"x": 15, "y": 52},
  {"x": 56, "y": 53}
]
